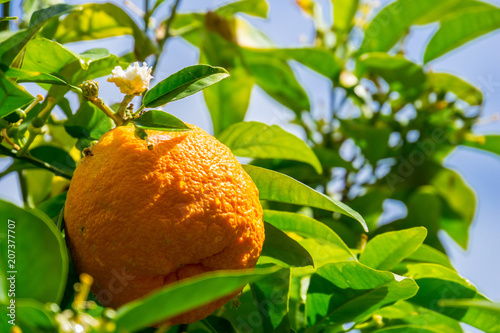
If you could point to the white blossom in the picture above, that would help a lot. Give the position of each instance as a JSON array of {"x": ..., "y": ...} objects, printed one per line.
[{"x": 132, "y": 81}]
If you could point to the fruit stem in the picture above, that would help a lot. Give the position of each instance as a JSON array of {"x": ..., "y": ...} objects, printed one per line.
[
  {"x": 107, "y": 110},
  {"x": 123, "y": 106}
]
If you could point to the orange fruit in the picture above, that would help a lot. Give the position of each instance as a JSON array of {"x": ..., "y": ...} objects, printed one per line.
[{"x": 138, "y": 219}]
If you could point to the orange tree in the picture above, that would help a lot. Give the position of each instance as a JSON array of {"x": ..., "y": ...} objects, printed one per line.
[{"x": 326, "y": 264}]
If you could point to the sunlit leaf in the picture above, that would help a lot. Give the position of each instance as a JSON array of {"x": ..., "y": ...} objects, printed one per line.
[
  {"x": 385, "y": 251},
  {"x": 461, "y": 28},
  {"x": 12, "y": 96},
  {"x": 343, "y": 15},
  {"x": 257, "y": 8},
  {"x": 102, "y": 20},
  {"x": 428, "y": 254},
  {"x": 487, "y": 143},
  {"x": 258, "y": 140},
  {"x": 183, "y": 296},
  {"x": 185, "y": 82},
  {"x": 306, "y": 227},
  {"x": 160, "y": 121},
  {"x": 345, "y": 292},
  {"x": 280, "y": 249},
  {"x": 275, "y": 186},
  {"x": 444, "y": 82},
  {"x": 438, "y": 284}
]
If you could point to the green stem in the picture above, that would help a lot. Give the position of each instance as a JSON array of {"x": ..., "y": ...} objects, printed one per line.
[
  {"x": 4, "y": 25},
  {"x": 107, "y": 110},
  {"x": 24, "y": 148},
  {"x": 123, "y": 106},
  {"x": 24, "y": 190},
  {"x": 36, "y": 162}
]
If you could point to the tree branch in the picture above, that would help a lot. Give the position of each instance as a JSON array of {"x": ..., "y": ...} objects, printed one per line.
[{"x": 36, "y": 162}]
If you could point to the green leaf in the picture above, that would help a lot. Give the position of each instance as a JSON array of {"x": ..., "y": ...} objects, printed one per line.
[
  {"x": 277, "y": 79},
  {"x": 103, "y": 20},
  {"x": 183, "y": 296},
  {"x": 280, "y": 249},
  {"x": 275, "y": 186},
  {"x": 28, "y": 76},
  {"x": 257, "y": 8},
  {"x": 39, "y": 251},
  {"x": 399, "y": 72},
  {"x": 12, "y": 96},
  {"x": 258, "y": 140},
  {"x": 54, "y": 156},
  {"x": 394, "y": 20},
  {"x": 488, "y": 143},
  {"x": 10, "y": 48},
  {"x": 228, "y": 100},
  {"x": 307, "y": 227},
  {"x": 387, "y": 250},
  {"x": 460, "y": 207},
  {"x": 403, "y": 314},
  {"x": 428, "y": 254},
  {"x": 35, "y": 313},
  {"x": 444, "y": 82},
  {"x": 160, "y": 121},
  {"x": 487, "y": 310},
  {"x": 461, "y": 28},
  {"x": 271, "y": 295},
  {"x": 185, "y": 82},
  {"x": 346, "y": 292},
  {"x": 439, "y": 284},
  {"x": 88, "y": 122},
  {"x": 408, "y": 329},
  {"x": 43, "y": 15},
  {"x": 343, "y": 15},
  {"x": 53, "y": 206}
]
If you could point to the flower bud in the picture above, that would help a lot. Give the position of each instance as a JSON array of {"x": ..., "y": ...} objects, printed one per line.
[{"x": 90, "y": 89}]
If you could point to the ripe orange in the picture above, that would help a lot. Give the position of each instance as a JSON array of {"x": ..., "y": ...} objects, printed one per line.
[{"x": 138, "y": 219}]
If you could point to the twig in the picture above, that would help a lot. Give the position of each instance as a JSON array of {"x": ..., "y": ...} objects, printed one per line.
[
  {"x": 161, "y": 42},
  {"x": 35, "y": 162}
]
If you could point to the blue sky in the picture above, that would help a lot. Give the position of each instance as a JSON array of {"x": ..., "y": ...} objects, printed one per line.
[{"x": 476, "y": 62}]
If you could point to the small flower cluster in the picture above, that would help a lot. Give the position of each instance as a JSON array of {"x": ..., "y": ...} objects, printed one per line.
[{"x": 132, "y": 81}]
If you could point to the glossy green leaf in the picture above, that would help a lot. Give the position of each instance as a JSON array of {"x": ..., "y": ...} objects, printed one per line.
[
  {"x": 275, "y": 186},
  {"x": 88, "y": 122},
  {"x": 103, "y": 20},
  {"x": 27, "y": 76},
  {"x": 271, "y": 295},
  {"x": 306, "y": 227},
  {"x": 439, "y": 284},
  {"x": 54, "y": 156},
  {"x": 387, "y": 250},
  {"x": 394, "y": 20},
  {"x": 257, "y": 8},
  {"x": 43, "y": 55},
  {"x": 428, "y": 254},
  {"x": 258, "y": 140},
  {"x": 488, "y": 143},
  {"x": 184, "y": 83},
  {"x": 35, "y": 234},
  {"x": 277, "y": 79},
  {"x": 343, "y": 15},
  {"x": 320, "y": 60},
  {"x": 160, "y": 121},
  {"x": 346, "y": 292},
  {"x": 461, "y": 28},
  {"x": 11, "y": 47},
  {"x": 12, "y": 96},
  {"x": 404, "y": 314},
  {"x": 444, "y": 82},
  {"x": 282, "y": 250},
  {"x": 399, "y": 72},
  {"x": 183, "y": 296}
]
